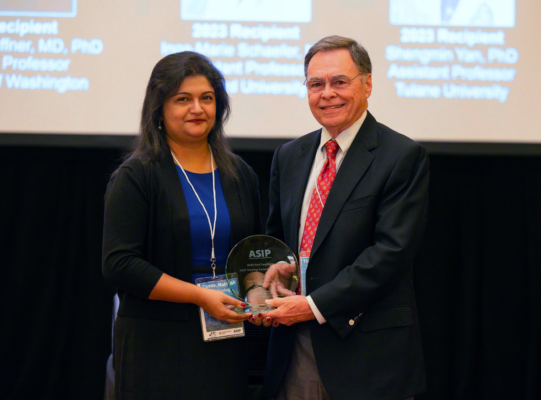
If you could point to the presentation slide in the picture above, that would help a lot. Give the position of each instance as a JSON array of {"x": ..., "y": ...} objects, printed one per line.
[{"x": 443, "y": 70}]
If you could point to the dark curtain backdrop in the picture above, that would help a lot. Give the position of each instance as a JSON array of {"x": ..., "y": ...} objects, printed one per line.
[{"x": 478, "y": 275}]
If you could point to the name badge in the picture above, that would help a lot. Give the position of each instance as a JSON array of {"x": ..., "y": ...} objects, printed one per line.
[
  {"x": 214, "y": 329},
  {"x": 304, "y": 258}
]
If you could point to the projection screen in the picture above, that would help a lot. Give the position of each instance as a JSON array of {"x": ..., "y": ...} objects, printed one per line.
[{"x": 443, "y": 70}]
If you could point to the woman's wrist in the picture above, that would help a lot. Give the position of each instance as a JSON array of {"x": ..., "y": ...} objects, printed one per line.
[{"x": 200, "y": 296}]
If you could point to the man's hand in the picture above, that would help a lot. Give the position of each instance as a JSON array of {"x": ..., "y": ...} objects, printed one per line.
[
  {"x": 290, "y": 310},
  {"x": 278, "y": 278},
  {"x": 257, "y": 296}
]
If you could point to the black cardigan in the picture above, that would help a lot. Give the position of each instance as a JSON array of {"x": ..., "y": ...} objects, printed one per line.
[{"x": 147, "y": 230}]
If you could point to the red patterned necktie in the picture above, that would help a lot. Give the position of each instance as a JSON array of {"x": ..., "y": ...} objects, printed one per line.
[{"x": 319, "y": 197}]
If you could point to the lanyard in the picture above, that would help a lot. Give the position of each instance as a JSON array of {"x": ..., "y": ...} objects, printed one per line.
[{"x": 212, "y": 228}]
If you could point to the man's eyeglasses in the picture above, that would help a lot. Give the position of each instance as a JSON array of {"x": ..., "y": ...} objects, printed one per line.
[{"x": 338, "y": 83}]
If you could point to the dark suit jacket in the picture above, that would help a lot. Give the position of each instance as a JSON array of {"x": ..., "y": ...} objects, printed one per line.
[
  {"x": 147, "y": 233},
  {"x": 360, "y": 270}
]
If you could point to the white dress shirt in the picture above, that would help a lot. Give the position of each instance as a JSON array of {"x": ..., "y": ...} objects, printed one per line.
[{"x": 344, "y": 140}]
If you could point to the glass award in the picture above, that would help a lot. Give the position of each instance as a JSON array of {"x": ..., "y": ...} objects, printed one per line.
[{"x": 262, "y": 267}]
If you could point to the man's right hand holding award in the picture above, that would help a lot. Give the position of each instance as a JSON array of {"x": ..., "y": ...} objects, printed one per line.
[{"x": 275, "y": 285}]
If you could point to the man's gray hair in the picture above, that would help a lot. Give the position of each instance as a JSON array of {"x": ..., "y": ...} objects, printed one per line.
[{"x": 358, "y": 53}]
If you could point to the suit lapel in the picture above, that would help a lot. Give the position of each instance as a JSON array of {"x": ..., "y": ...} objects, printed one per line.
[
  {"x": 300, "y": 169},
  {"x": 354, "y": 166}
]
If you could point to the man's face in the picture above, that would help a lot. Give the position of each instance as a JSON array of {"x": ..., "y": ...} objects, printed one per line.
[{"x": 337, "y": 109}]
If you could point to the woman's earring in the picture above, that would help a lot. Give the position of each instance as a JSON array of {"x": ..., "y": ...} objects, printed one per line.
[{"x": 160, "y": 124}]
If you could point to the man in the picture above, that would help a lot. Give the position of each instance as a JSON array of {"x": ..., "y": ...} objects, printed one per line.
[{"x": 353, "y": 333}]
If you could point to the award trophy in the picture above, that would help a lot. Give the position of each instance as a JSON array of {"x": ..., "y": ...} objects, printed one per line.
[{"x": 261, "y": 267}]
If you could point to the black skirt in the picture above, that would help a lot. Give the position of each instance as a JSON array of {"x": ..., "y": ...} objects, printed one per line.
[{"x": 163, "y": 359}]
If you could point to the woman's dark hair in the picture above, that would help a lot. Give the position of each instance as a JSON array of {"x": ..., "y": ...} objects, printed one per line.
[{"x": 165, "y": 79}]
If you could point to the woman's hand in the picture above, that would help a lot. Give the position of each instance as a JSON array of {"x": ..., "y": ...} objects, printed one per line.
[
  {"x": 260, "y": 319},
  {"x": 220, "y": 306},
  {"x": 216, "y": 303}
]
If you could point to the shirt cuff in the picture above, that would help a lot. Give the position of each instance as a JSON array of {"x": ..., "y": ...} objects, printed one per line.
[{"x": 315, "y": 310}]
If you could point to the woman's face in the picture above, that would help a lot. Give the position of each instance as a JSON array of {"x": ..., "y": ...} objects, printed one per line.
[{"x": 189, "y": 114}]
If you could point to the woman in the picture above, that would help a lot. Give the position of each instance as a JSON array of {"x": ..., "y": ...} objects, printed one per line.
[{"x": 180, "y": 198}]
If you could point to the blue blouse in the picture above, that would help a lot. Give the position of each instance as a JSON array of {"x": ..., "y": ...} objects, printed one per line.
[{"x": 201, "y": 242}]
